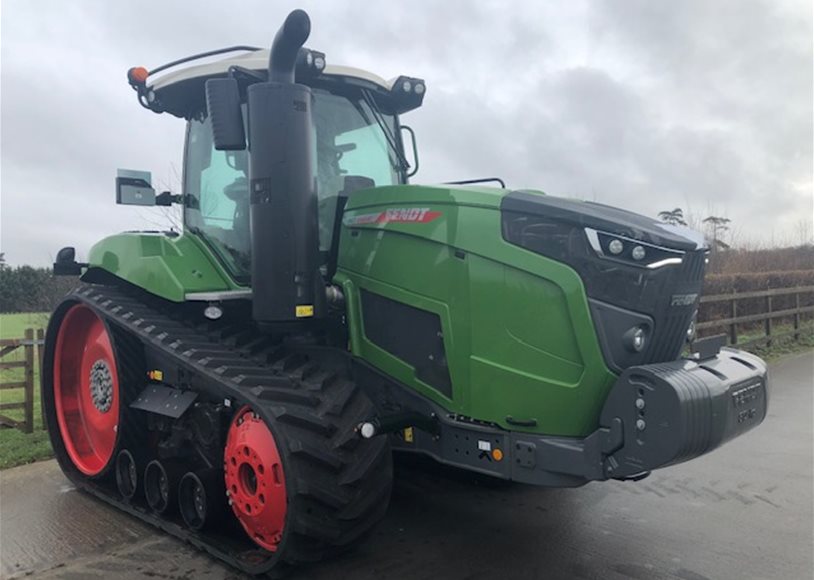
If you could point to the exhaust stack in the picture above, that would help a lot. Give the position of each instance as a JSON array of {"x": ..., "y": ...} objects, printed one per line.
[{"x": 286, "y": 283}]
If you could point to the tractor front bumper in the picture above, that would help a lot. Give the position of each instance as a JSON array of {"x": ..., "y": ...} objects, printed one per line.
[{"x": 655, "y": 415}]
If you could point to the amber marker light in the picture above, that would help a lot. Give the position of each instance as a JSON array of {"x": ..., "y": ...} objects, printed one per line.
[
  {"x": 497, "y": 454},
  {"x": 137, "y": 75}
]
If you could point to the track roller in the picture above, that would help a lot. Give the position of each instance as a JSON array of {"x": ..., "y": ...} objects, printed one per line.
[
  {"x": 161, "y": 485},
  {"x": 126, "y": 474},
  {"x": 201, "y": 498}
]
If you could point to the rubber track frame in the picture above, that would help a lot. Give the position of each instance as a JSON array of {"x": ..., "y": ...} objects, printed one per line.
[{"x": 290, "y": 392}]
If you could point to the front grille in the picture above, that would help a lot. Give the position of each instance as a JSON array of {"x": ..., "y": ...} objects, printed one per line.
[{"x": 671, "y": 321}]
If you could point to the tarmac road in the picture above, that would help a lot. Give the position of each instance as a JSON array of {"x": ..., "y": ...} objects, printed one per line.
[{"x": 744, "y": 511}]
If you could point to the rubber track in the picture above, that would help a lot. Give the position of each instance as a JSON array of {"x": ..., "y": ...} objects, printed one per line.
[{"x": 338, "y": 484}]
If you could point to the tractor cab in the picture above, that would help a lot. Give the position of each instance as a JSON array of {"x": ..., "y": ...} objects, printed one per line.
[{"x": 356, "y": 141}]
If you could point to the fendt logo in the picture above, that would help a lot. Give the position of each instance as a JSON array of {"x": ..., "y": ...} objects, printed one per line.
[
  {"x": 683, "y": 299},
  {"x": 397, "y": 215}
]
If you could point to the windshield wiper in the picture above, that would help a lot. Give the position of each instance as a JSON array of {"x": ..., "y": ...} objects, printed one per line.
[{"x": 404, "y": 165}]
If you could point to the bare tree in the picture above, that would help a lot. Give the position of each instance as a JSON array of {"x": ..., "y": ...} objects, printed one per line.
[
  {"x": 674, "y": 217},
  {"x": 718, "y": 226},
  {"x": 803, "y": 228}
]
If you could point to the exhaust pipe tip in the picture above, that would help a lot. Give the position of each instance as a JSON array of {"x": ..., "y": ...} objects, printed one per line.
[{"x": 286, "y": 46}]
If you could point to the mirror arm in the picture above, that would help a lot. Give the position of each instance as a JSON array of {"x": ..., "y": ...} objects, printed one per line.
[{"x": 167, "y": 198}]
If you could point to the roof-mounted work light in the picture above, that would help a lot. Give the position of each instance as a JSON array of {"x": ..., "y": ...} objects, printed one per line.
[
  {"x": 310, "y": 63},
  {"x": 408, "y": 92}
]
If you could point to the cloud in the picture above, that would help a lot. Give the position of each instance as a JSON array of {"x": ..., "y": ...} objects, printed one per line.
[{"x": 645, "y": 105}]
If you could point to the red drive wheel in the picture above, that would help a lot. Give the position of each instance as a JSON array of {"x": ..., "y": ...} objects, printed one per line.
[
  {"x": 86, "y": 390},
  {"x": 255, "y": 481}
]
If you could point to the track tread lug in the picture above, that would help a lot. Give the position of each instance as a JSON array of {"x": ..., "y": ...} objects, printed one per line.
[
  {"x": 284, "y": 395},
  {"x": 332, "y": 498},
  {"x": 305, "y": 420},
  {"x": 316, "y": 455},
  {"x": 360, "y": 469}
]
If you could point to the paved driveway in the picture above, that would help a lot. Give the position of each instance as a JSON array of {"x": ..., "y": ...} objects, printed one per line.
[{"x": 743, "y": 512}]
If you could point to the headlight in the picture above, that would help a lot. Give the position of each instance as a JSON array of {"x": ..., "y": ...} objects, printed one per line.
[
  {"x": 630, "y": 251},
  {"x": 635, "y": 339}
]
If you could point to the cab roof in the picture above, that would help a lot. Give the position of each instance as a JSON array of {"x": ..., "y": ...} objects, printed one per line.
[
  {"x": 256, "y": 60},
  {"x": 180, "y": 90}
]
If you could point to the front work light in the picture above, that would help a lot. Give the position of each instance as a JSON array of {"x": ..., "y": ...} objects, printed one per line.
[{"x": 635, "y": 339}]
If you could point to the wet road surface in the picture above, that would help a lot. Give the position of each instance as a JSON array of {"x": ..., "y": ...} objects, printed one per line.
[{"x": 744, "y": 512}]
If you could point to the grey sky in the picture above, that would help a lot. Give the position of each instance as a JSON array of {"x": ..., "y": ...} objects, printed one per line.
[{"x": 641, "y": 104}]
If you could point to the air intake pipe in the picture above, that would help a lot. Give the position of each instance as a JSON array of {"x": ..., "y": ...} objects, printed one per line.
[{"x": 286, "y": 284}]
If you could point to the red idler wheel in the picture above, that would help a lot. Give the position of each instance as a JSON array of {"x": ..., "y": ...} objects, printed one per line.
[
  {"x": 255, "y": 482},
  {"x": 86, "y": 390}
]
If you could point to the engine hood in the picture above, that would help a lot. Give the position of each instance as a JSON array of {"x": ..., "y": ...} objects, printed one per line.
[{"x": 604, "y": 218}]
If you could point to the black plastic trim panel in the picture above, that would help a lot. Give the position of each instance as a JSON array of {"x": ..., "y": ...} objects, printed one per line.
[{"x": 409, "y": 333}]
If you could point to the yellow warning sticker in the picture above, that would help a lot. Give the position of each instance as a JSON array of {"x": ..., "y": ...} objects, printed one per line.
[
  {"x": 156, "y": 375},
  {"x": 304, "y": 311},
  {"x": 408, "y": 435}
]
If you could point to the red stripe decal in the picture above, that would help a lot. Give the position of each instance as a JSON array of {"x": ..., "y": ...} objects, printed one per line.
[{"x": 398, "y": 215}]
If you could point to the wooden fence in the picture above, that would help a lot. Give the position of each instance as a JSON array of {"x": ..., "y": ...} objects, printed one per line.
[
  {"x": 732, "y": 323},
  {"x": 32, "y": 348}
]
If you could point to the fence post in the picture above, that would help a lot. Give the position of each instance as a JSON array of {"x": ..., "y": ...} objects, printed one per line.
[
  {"x": 768, "y": 323},
  {"x": 29, "y": 381},
  {"x": 733, "y": 331},
  {"x": 797, "y": 316},
  {"x": 40, "y": 353}
]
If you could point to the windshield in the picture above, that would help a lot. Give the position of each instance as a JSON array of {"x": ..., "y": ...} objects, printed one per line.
[{"x": 351, "y": 139}]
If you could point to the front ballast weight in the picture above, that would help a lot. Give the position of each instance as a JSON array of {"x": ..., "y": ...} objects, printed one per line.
[{"x": 655, "y": 416}]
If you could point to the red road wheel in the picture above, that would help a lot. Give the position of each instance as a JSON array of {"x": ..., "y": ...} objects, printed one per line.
[
  {"x": 86, "y": 390},
  {"x": 255, "y": 481}
]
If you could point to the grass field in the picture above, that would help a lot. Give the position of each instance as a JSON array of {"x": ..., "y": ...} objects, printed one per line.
[{"x": 17, "y": 447}]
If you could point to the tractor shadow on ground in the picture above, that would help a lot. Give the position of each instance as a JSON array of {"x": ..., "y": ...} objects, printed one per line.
[{"x": 449, "y": 523}]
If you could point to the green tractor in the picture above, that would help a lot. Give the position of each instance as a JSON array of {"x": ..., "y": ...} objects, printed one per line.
[{"x": 243, "y": 385}]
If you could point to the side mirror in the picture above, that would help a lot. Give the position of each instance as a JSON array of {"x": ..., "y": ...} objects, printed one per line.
[
  {"x": 66, "y": 264},
  {"x": 134, "y": 188},
  {"x": 223, "y": 107},
  {"x": 414, "y": 165}
]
